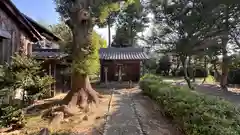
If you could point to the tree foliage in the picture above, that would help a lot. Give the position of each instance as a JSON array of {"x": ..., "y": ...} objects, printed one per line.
[
  {"x": 195, "y": 28},
  {"x": 99, "y": 10},
  {"x": 25, "y": 73},
  {"x": 64, "y": 32},
  {"x": 129, "y": 22},
  {"x": 87, "y": 57},
  {"x": 11, "y": 116}
]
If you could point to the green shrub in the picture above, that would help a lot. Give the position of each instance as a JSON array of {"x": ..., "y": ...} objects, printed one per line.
[
  {"x": 196, "y": 113},
  {"x": 25, "y": 73},
  {"x": 11, "y": 116}
]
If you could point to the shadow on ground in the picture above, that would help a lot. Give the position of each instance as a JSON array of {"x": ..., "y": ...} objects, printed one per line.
[
  {"x": 215, "y": 90},
  {"x": 131, "y": 113}
]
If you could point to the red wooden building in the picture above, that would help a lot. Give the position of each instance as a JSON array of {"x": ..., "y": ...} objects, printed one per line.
[{"x": 121, "y": 64}]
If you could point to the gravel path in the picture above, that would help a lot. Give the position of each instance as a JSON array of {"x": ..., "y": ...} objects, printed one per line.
[{"x": 135, "y": 114}]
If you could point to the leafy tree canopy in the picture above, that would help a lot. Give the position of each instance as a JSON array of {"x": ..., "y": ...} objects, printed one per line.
[{"x": 129, "y": 22}]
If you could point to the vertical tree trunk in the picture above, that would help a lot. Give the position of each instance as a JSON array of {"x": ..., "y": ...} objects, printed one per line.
[
  {"x": 206, "y": 68},
  {"x": 109, "y": 32},
  {"x": 225, "y": 59},
  {"x": 184, "y": 61},
  {"x": 82, "y": 27},
  {"x": 174, "y": 70},
  {"x": 81, "y": 92},
  {"x": 225, "y": 65},
  {"x": 217, "y": 75},
  {"x": 191, "y": 69}
]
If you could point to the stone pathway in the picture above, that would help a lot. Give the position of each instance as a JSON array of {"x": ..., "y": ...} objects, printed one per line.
[{"x": 135, "y": 114}]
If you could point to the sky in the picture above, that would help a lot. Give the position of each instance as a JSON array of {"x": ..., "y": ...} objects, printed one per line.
[{"x": 44, "y": 11}]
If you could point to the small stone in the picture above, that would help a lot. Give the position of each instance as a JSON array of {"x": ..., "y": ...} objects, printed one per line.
[
  {"x": 85, "y": 118},
  {"x": 66, "y": 120},
  {"x": 98, "y": 117},
  {"x": 44, "y": 131}
]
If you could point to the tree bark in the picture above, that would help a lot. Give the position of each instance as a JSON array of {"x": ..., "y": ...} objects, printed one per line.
[
  {"x": 109, "y": 32},
  {"x": 225, "y": 70},
  {"x": 225, "y": 65},
  {"x": 225, "y": 59},
  {"x": 206, "y": 68},
  {"x": 216, "y": 70},
  {"x": 81, "y": 25},
  {"x": 174, "y": 70},
  {"x": 191, "y": 69},
  {"x": 82, "y": 92},
  {"x": 184, "y": 61}
]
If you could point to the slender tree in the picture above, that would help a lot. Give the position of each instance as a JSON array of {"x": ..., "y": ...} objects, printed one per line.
[{"x": 81, "y": 16}]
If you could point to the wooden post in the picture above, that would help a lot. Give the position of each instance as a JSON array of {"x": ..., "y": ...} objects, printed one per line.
[
  {"x": 54, "y": 76},
  {"x": 50, "y": 73},
  {"x": 105, "y": 72},
  {"x": 120, "y": 73}
]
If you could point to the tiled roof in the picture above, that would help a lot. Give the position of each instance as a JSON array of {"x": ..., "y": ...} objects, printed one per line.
[
  {"x": 128, "y": 53},
  {"x": 48, "y": 54}
]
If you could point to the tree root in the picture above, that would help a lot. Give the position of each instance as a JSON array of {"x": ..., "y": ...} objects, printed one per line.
[
  {"x": 57, "y": 119},
  {"x": 44, "y": 131},
  {"x": 83, "y": 99}
]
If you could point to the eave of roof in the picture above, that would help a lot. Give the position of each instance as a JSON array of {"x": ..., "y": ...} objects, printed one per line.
[
  {"x": 48, "y": 54},
  {"x": 39, "y": 27},
  {"x": 128, "y": 53},
  {"x": 18, "y": 16}
]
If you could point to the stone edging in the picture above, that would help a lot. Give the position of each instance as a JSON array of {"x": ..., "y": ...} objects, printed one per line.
[
  {"x": 138, "y": 118},
  {"x": 107, "y": 117}
]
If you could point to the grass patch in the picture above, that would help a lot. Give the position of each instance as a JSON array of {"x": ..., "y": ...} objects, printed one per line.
[{"x": 196, "y": 114}]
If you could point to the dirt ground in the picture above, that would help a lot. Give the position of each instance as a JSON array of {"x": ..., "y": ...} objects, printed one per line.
[
  {"x": 129, "y": 113},
  {"x": 76, "y": 125}
]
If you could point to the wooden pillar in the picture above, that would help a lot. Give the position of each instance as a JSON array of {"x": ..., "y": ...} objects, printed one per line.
[
  {"x": 142, "y": 69},
  {"x": 50, "y": 73},
  {"x": 106, "y": 74},
  {"x": 119, "y": 73},
  {"x": 54, "y": 76}
]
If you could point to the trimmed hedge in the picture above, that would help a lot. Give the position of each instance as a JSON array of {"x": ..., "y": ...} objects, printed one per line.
[{"x": 196, "y": 114}]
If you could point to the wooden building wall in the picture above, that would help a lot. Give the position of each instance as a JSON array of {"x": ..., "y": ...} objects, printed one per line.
[
  {"x": 18, "y": 38},
  {"x": 131, "y": 70}
]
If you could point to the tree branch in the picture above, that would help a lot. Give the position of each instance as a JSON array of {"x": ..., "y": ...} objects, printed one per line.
[{"x": 207, "y": 39}]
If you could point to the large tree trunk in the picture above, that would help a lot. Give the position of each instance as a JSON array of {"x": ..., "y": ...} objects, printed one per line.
[
  {"x": 184, "y": 61},
  {"x": 225, "y": 70},
  {"x": 81, "y": 25},
  {"x": 82, "y": 92},
  {"x": 225, "y": 66},
  {"x": 225, "y": 59}
]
